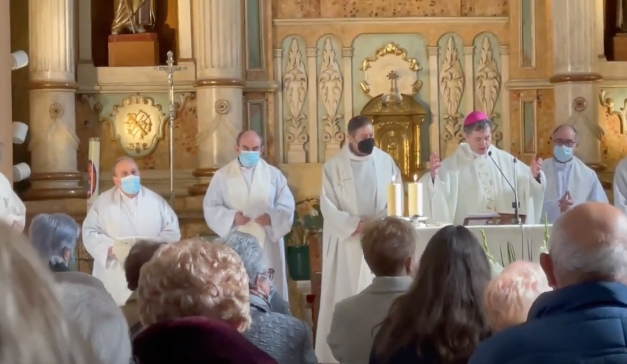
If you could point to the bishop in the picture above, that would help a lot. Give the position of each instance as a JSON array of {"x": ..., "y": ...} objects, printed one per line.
[{"x": 480, "y": 178}]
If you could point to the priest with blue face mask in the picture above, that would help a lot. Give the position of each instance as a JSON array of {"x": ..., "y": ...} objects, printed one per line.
[
  {"x": 569, "y": 180},
  {"x": 128, "y": 210},
  {"x": 251, "y": 196}
]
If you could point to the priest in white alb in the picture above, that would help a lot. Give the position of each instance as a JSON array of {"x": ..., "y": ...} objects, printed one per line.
[
  {"x": 479, "y": 179},
  {"x": 251, "y": 196},
  {"x": 128, "y": 210},
  {"x": 12, "y": 209},
  {"x": 620, "y": 185},
  {"x": 354, "y": 192},
  {"x": 569, "y": 181}
]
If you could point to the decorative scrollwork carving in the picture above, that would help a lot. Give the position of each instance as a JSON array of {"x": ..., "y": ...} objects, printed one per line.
[{"x": 452, "y": 88}]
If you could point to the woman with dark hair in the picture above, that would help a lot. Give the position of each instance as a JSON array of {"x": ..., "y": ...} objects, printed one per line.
[{"x": 440, "y": 320}]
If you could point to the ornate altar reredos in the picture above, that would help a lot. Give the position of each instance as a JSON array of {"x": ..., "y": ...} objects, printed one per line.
[
  {"x": 397, "y": 130},
  {"x": 391, "y": 79}
]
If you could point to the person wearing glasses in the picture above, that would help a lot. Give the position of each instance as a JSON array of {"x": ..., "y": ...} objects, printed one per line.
[{"x": 569, "y": 181}]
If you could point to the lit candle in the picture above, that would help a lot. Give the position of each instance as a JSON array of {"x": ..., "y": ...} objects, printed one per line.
[
  {"x": 395, "y": 198},
  {"x": 414, "y": 196}
]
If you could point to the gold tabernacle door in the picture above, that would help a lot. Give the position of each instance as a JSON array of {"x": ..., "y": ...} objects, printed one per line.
[{"x": 397, "y": 130}]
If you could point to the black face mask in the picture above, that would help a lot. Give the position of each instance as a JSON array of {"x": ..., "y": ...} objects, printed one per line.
[{"x": 366, "y": 146}]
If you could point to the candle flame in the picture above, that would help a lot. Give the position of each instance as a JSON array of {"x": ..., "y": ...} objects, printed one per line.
[{"x": 415, "y": 178}]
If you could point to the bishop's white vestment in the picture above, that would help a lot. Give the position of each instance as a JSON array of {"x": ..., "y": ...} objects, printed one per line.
[
  {"x": 468, "y": 183},
  {"x": 620, "y": 186},
  {"x": 253, "y": 191},
  {"x": 574, "y": 177},
  {"x": 12, "y": 209},
  {"x": 115, "y": 216},
  {"x": 353, "y": 188}
]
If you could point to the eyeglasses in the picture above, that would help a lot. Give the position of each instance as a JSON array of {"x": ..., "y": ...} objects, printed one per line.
[
  {"x": 270, "y": 274},
  {"x": 564, "y": 142}
]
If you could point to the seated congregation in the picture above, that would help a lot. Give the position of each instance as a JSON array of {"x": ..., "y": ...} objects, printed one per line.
[{"x": 200, "y": 302}]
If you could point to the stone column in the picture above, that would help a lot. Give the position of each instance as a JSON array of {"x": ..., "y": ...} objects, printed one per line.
[
  {"x": 575, "y": 76},
  {"x": 53, "y": 142},
  {"x": 217, "y": 31},
  {"x": 6, "y": 62},
  {"x": 434, "y": 102},
  {"x": 505, "y": 118}
]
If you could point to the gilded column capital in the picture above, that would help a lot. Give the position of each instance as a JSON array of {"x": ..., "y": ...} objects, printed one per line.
[
  {"x": 347, "y": 52},
  {"x": 469, "y": 50},
  {"x": 504, "y": 50},
  {"x": 278, "y": 53}
]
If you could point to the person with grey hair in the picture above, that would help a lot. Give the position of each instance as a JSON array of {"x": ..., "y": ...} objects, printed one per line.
[
  {"x": 479, "y": 178},
  {"x": 285, "y": 338},
  {"x": 583, "y": 320},
  {"x": 569, "y": 181},
  {"x": 99, "y": 321},
  {"x": 236, "y": 241},
  {"x": 54, "y": 237}
]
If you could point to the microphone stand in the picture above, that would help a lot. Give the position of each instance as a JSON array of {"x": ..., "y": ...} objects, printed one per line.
[{"x": 514, "y": 188}]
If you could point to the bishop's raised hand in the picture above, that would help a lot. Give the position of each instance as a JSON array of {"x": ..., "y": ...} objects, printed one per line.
[
  {"x": 434, "y": 164},
  {"x": 535, "y": 166}
]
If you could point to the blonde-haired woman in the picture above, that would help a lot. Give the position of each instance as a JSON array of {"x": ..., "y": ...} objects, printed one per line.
[
  {"x": 32, "y": 328},
  {"x": 193, "y": 299},
  {"x": 194, "y": 278}
]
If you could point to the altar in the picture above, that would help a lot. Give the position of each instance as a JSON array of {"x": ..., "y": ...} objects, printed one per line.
[{"x": 526, "y": 240}]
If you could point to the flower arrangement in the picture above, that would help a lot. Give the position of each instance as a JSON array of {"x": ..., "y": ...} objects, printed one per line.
[
  {"x": 497, "y": 267},
  {"x": 307, "y": 220}
]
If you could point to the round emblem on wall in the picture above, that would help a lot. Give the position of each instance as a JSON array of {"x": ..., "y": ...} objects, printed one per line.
[
  {"x": 222, "y": 107},
  {"x": 55, "y": 110},
  {"x": 580, "y": 104}
]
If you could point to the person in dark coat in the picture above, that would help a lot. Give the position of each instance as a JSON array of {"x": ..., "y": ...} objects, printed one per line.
[
  {"x": 196, "y": 340},
  {"x": 584, "y": 319}
]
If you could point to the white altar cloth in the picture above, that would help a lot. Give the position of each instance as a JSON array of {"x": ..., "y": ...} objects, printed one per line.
[{"x": 497, "y": 238}]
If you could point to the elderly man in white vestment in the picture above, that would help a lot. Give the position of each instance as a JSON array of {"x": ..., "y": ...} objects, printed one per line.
[
  {"x": 251, "y": 196},
  {"x": 354, "y": 192},
  {"x": 127, "y": 210},
  {"x": 620, "y": 186},
  {"x": 569, "y": 181},
  {"x": 12, "y": 209},
  {"x": 469, "y": 182}
]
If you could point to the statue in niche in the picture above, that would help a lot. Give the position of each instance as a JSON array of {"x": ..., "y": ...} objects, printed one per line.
[{"x": 133, "y": 15}]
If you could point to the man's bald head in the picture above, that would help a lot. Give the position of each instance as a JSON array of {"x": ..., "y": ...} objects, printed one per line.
[
  {"x": 248, "y": 140},
  {"x": 122, "y": 167},
  {"x": 587, "y": 243}
]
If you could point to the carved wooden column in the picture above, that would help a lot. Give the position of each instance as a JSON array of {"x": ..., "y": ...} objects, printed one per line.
[
  {"x": 434, "y": 103},
  {"x": 217, "y": 31},
  {"x": 6, "y": 130},
  {"x": 575, "y": 78},
  {"x": 53, "y": 142}
]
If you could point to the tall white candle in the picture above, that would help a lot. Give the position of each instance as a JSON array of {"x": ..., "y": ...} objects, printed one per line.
[
  {"x": 414, "y": 197},
  {"x": 93, "y": 171},
  {"x": 395, "y": 198}
]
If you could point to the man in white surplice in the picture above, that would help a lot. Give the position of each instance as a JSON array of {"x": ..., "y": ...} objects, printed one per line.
[
  {"x": 468, "y": 182},
  {"x": 354, "y": 191},
  {"x": 125, "y": 211},
  {"x": 251, "y": 196},
  {"x": 620, "y": 186},
  {"x": 12, "y": 209},
  {"x": 569, "y": 181}
]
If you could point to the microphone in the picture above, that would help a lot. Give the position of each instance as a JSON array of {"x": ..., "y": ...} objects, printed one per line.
[{"x": 516, "y": 203}]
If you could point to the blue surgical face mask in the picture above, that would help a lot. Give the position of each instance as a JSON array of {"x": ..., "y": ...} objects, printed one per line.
[
  {"x": 562, "y": 153},
  {"x": 248, "y": 158},
  {"x": 130, "y": 184}
]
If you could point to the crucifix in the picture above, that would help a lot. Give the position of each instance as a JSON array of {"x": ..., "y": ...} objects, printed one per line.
[{"x": 170, "y": 69}]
